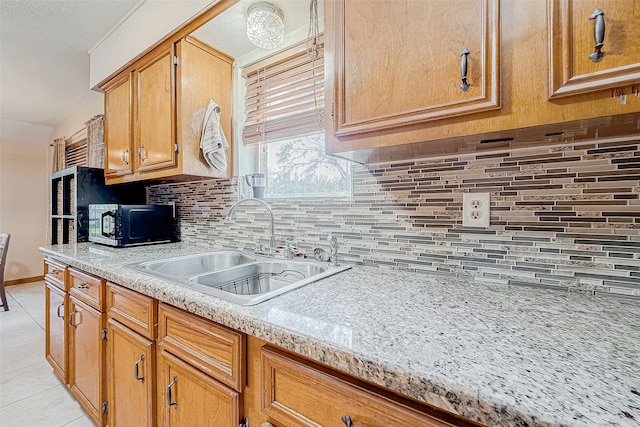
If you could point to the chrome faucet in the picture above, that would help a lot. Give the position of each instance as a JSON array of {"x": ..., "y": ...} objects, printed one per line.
[{"x": 272, "y": 237}]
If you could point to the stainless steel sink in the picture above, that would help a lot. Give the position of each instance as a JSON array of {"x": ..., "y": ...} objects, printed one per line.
[
  {"x": 238, "y": 277},
  {"x": 191, "y": 265}
]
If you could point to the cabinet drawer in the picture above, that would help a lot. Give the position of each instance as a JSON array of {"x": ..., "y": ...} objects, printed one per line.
[
  {"x": 137, "y": 311},
  {"x": 55, "y": 273},
  {"x": 297, "y": 393},
  {"x": 87, "y": 288},
  {"x": 214, "y": 349}
]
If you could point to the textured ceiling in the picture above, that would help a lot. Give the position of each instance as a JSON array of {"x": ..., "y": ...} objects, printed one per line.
[
  {"x": 44, "y": 44},
  {"x": 44, "y": 59}
]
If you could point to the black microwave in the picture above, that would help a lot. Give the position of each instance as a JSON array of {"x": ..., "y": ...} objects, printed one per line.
[{"x": 129, "y": 225}]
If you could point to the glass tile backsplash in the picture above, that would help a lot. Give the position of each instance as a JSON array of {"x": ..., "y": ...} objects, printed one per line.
[{"x": 562, "y": 217}]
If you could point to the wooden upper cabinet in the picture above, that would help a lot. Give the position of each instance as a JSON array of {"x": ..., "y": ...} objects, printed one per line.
[
  {"x": 400, "y": 63},
  {"x": 574, "y": 25},
  {"x": 117, "y": 127},
  {"x": 159, "y": 102},
  {"x": 380, "y": 118},
  {"x": 154, "y": 118},
  {"x": 203, "y": 74}
]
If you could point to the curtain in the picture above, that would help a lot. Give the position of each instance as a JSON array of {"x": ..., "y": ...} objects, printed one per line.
[
  {"x": 59, "y": 154},
  {"x": 95, "y": 142}
]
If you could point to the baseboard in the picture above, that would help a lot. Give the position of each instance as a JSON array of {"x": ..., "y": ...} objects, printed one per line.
[{"x": 23, "y": 280}]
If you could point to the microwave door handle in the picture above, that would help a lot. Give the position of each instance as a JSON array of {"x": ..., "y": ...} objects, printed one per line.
[{"x": 110, "y": 214}]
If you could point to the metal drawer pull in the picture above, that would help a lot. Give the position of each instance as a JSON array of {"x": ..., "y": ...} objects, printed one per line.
[
  {"x": 135, "y": 369},
  {"x": 58, "y": 310},
  {"x": 346, "y": 419},
  {"x": 125, "y": 156},
  {"x": 169, "y": 387},
  {"x": 82, "y": 285},
  {"x": 71, "y": 318},
  {"x": 140, "y": 156},
  {"x": 55, "y": 271},
  {"x": 463, "y": 69},
  {"x": 598, "y": 34}
]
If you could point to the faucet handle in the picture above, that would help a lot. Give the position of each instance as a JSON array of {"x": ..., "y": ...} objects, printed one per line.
[
  {"x": 257, "y": 245},
  {"x": 288, "y": 248}
]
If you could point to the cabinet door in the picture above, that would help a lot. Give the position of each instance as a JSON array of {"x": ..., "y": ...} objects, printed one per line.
[
  {"x": 56, "y": 330},
  {"x": 86, "y": 357},
  {"x": 188, "y": 397},
  {"x": 398, "y": 63},
  {"x": 118, "y": 99},
  {"x": 203, "y": 74},
  {"x": 575, "y": 66},
  {"x": 130, "y": 377},
  {"x": 155, "y": 118}
]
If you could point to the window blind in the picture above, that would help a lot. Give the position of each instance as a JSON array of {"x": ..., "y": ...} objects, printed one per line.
[
  {"x": 76, "y": 153},
  {"x": 285, "y": 95}
]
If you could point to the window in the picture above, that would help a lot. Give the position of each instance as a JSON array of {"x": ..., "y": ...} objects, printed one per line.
[
  {"x": 299, "y": 167},
  {"x": 284, "y": 109}
]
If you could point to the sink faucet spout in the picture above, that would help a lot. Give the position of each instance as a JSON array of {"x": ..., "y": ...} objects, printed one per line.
[{"x": 272, "y": 237}]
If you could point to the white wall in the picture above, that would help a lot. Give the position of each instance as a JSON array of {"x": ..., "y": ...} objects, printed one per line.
[
  {"x": 24, "y": 195},
  {"x": 150, "y": 22},
  {"x": 75, "y": 121}
]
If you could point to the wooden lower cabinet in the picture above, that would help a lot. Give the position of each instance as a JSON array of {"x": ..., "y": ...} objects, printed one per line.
[
  {"x": 56, "y": 309},
  {"x": 284, "y": 389},
  {"x": 296, "y": 394},
  {"x": 213, "y": 349},
  {"x": 56, "y": 301},
  {"x": 151, "y": 364},
  {"x": 87, "y": 357},
  {"x": 200, "y": 371},
  {"x": 188, "y": 397},
  {"x": 130, "y": 377}
]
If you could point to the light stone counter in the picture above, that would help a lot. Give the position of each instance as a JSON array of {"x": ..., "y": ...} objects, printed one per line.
[{"x": 507, "y": 356}]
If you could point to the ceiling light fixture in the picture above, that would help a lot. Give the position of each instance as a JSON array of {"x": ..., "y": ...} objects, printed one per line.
[{"x": 265, "y": 25}]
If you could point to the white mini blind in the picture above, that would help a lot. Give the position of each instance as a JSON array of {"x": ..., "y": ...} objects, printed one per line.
[
  {"x": 76, "y": 154},
  {"x": 285, "y": 95}
]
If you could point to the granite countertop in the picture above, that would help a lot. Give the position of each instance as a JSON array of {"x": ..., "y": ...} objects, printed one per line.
[{"x": 493, "y": 353}]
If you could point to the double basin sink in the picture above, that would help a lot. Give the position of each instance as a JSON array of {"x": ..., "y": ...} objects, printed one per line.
[{"x": 237, "y": 276}]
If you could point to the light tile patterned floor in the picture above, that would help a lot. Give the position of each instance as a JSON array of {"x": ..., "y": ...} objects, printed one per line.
[{"x": 30, "y": 394}]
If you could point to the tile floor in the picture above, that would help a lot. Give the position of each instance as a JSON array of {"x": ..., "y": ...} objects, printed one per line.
[{"x": 30, "y": 394}]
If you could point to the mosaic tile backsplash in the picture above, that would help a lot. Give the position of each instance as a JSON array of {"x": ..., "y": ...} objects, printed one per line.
[{"x": 565, "y": 217}]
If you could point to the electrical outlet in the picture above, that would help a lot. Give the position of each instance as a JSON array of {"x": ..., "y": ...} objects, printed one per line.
[{"x": 476, "y": 209}]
